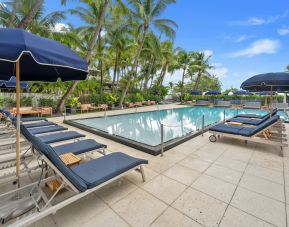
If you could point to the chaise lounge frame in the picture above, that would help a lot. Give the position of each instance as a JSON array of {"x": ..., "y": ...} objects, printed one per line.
[
  {"x": 275, "y": 137},
  {"x": 49, "y": 208}
]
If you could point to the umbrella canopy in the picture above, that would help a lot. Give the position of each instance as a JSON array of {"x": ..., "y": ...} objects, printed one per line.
[
  {"x": 33, "y": 58},
  {"x": 40, "y": 59},
  {"x": 242, "y": 92},
  {"x": 213, "y": 92},
  {"x": 267, "y": 82},
  {"x": 196, "y": 92},
  {"x": 12, "y": 83}
]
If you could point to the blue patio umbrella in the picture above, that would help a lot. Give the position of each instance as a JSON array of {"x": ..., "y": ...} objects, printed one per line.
[
  {"x": 33, "y": 58},
  {"x": 196, "y": 92},
  {"x": 213, "y": 92},
  {"x": 267, "y": 82},
  {"x": 12, "y": 83},
  {"x": 242, "y": 92}
]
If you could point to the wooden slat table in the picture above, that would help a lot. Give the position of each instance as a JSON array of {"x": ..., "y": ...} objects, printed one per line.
[{"x": 69, "y": 159}]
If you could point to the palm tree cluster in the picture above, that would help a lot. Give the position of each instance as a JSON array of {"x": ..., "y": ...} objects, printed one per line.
[{"x": 127, "y": 44}]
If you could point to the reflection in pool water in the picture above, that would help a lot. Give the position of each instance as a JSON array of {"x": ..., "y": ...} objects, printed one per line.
[{"x": 145, "y": 127}]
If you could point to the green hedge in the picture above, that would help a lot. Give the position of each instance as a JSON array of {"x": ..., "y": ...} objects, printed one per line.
[
  {"x": 189, "y": 97},
  {"x": 47, "y": 102}
]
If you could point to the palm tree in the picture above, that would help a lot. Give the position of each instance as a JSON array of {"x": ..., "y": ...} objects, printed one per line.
[
  {"x": 199, "y": 67},
  {"x": 168, "y": 59},
  {"x": 146, "y": 13},
  {"x": 35, "y": 7},
  {"x": 94, "y": 16},
  {"x": 184, "y": 60}
]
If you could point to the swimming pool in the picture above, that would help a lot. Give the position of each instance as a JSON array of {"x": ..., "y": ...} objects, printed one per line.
[{"x": 142, "y": 130}]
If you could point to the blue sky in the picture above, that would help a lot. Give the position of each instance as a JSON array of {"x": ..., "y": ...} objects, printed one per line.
[{"x": 245, "y": 37}]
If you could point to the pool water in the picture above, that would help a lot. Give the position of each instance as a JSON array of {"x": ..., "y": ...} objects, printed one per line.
[{"x": 145, "y": 127}]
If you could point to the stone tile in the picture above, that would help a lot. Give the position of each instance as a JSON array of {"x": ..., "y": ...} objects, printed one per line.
[
  {"x": 116, "y": 190},
  {"x": 200, "y": 207},
  {"x": 216, "y": 188},
  {"x": 264, "y": 187},
  {"x": 136, "y": 178},
  {"x": 268, "y": 174},
  {"x": 237, "y": 154},
  {"x": 231, "y": 164},
  {"x": 159, "y": 165},
  {"x": 107, "y": 218},
  {"x": 268, "y": 161},
  {"x": 195, "y": 164},
  {"x": 206, "y": 154},
  {"x": 237, "y": 218},
  {"x": 187, "y": 149},
  {"x": 260, "y": 206},
  {"x": 164, "y": 188},
  {"x": 173, "y": 218},
  {"x": 182, "y": 174},
  {"x": 80, "y": 211},
  {"x": 45, "y": 222},
  {"x": 172, "y": 155},
  {"x": 139, "y": 208},
  {"x": 229, "y": 175}
]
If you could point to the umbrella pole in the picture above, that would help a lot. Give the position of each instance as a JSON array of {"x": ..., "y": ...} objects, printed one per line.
[
  {"x": 271, "y": 106},
  {"x": 18, "y": 122}
]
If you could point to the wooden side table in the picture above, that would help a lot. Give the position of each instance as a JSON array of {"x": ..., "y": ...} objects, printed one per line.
[{"x": 69, "y": 159}]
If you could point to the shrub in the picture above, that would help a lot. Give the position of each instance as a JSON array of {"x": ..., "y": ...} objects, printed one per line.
[
  {"x": 73, "y": 102},
  {"x": 47, "y": 102},
  {"x": 110, "y": 99},
  {"x": 95, "y": 98}
]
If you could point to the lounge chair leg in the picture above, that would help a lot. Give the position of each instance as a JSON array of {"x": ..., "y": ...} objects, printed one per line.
[{"x": 142, "y": 173}]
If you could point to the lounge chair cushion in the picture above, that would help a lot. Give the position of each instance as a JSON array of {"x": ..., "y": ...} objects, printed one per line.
[
  {"x": 27, "y": 119},
  {"x": 242, "y": 130},
  {"x": 102, "y": 169},
  {"x": 39, "y": 124},
  {"x": 41, "y": 130},
  {"x": 78, "y": 147},
  {"x": 54, "y": 158},
  {"x": 273, "y": 113},
  {"x": 58, "y": 137},
  {"x": 249, "y": 121}
]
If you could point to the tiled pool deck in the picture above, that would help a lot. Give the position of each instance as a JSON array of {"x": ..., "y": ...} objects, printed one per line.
[{"x": 197, "y": 183}]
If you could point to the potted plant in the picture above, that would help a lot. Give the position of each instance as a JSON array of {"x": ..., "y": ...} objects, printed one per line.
[{"x": 72, "y": 104}]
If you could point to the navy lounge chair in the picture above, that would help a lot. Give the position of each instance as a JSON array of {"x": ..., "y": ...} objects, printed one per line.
[
  {"x": 252, "y": 133},
  {"x": 76, "y": 148},
  {"x": 61, "y": 136},
  {"x": 39, "y": 124},
  {"x": 47, "y": 129},
  {"x": 92, "y": 173},
  {"x": 82, "y": 179},
  {"x": 79, "y": 147},
  {"x": 7, "y": 114},
  {"x": 272, "y": 113}
]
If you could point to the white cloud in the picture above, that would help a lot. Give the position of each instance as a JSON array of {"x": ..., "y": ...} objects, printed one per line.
[
  {"x": 219, "y": 70},
  {"x": 262, "y": 46},
  {"x": 60, "y": 27},
  {"x": 208, "y": 53},
  {"x": 242, "y": 38},
  {"x": 256, "y": 21},
  {"x": 283, "y": 31}
]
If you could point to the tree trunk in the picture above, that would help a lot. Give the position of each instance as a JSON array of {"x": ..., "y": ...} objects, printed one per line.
[
  {"x": 60, "y": 106},
  {"x": 183, "y": 81},
  {"x": 133, "y": 69},
  {"x": 30, "y": 16},
  {"x": 13, "y": 14},
  {"x": 115, "y": 71},
  {"x": 197, "y": 81},
  {"x": 149, "y": 72}
]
